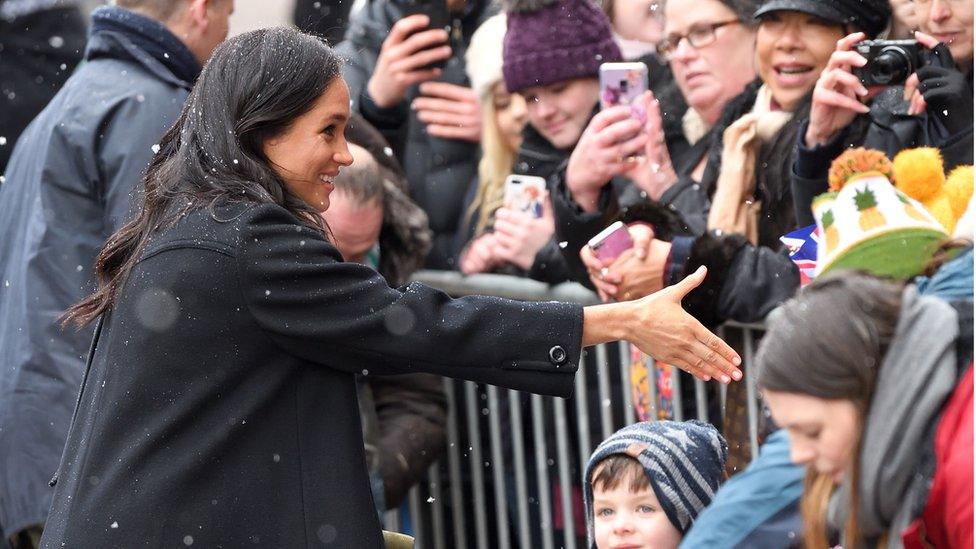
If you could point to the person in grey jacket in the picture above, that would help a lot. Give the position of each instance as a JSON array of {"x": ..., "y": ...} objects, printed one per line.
[
  {"x": 70, "y": 184},
  {"x": 429, "y": 115}
]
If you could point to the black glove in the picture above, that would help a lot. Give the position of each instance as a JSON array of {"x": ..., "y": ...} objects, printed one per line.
[{"x": 947, "y": 94}]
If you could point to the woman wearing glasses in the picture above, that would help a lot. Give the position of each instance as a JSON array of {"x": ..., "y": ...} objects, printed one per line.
[{"x": 735, "y": 195}]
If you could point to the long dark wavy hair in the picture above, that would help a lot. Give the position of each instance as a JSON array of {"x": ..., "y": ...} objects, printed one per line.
[{"x": 254, "y": 86}]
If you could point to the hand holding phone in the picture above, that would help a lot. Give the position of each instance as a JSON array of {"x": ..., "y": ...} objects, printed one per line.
[
  {"x": 609, "y": 243},
  {"x": 405, "y": 59},
  {"x": 526, "y": 194},
  {"x": 624, "y": 84}
]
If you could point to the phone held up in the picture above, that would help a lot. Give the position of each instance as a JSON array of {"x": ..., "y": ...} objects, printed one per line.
[
  {"x": 609, "y": 243},
  {"x": 525, "y": 193},
  {"x": 624, "y": 84},
  {"x": 439, "y": 16}
]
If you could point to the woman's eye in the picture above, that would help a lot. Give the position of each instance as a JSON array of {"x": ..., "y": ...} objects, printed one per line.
[{"x": 330, "y": 131}]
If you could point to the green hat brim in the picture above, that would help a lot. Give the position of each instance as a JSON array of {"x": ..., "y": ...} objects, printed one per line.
[{"x": 900, "y": 254}]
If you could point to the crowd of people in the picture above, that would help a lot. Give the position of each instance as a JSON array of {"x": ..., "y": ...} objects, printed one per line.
[{"x": 193, "y": 228}]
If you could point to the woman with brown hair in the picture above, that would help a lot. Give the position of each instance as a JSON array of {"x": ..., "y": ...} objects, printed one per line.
[{"x": 874, "y": 384}]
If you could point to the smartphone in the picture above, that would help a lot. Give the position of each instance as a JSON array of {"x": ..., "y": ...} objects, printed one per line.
[
  {"x": 440, "y": 18},
  {"x": 611, "y": 242},
  {"x": 525, "y": 193},
  {"x": 624, "y": 84}
]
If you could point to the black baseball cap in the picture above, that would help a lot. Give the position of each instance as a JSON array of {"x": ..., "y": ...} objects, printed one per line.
[{"x": 870, "y": 16}]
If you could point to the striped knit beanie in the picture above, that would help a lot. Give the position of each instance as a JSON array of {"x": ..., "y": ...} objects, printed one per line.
[{"x": 684, "y": 461}]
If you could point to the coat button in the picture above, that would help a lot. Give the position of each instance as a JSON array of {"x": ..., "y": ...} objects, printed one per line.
[{"x": 557, "y": 355}]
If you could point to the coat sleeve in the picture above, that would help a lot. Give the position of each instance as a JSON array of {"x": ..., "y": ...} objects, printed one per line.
[
  {"x": 344, "y": 316},
  {"x": 744, "y": 282},
  {"x": 130, "y": 133},
  {"x": 412, "y": 417}
]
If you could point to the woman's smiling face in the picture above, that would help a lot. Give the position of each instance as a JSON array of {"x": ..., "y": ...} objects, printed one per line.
[
  {"x": 792, "y": 49},
  {"x": 309, "y": 154}
]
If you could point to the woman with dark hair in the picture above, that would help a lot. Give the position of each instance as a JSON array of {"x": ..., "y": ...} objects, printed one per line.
[
  {"x": 219, "y": 402},
  {"x": 874, "y": 384}
]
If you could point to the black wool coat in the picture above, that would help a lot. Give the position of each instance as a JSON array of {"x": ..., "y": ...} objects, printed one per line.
[{"x": 220, "y": 407}]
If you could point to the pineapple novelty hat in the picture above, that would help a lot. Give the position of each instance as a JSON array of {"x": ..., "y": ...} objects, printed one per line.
[{"x": 868, "y": 224}]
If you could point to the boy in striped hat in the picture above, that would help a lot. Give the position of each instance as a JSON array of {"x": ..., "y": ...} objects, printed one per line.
[{"x": 645, "y": 484}]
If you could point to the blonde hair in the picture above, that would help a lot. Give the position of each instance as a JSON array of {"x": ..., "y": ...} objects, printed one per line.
[{"x": 497, "y": 159}]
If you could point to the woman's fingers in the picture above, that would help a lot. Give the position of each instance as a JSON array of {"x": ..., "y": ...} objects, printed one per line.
[
  {"x": 847, "y": 42},
  {"x": 926, "y": 40},
  {"x": 678, "y": 291},
  {"x": 641, "y": 234},
  {"x": 823, "y": 96},
  {"x": 620, "y": 130},
  {"x": 844, "y": 60}
]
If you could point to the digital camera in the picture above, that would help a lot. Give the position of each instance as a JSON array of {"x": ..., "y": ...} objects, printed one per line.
[{"x": 890, "y": 62}]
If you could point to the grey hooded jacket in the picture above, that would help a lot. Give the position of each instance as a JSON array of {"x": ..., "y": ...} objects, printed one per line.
[{"x": 69, "y": 185}]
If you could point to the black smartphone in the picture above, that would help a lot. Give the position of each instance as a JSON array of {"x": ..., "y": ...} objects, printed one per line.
[{"x": 440, "y": 18}]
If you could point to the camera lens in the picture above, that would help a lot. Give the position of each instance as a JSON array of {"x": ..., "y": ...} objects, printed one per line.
[{"x": 891, "y": 66}]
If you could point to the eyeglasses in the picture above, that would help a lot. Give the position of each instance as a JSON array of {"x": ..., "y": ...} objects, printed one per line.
[{"x": 698, "y": 37}]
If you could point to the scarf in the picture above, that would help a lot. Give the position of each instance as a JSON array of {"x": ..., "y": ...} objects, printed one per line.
[
  {"x": 734, "y": 205},
  {"x": 148, "y": 35},
  {"x": 694, "y": 126},
  {"x": 917, "y": 375}
]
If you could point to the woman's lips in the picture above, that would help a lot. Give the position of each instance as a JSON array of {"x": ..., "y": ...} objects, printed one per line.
[
  {"x": 793, "y": 75},
  {"x": 946, "y": 38}
]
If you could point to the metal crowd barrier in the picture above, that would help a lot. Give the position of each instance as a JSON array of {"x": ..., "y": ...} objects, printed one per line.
[{"x": 513, "y": 486}]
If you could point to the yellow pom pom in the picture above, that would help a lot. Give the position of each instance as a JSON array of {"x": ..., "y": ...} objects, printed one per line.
[
  {"x": 941, "y": 209},
  {"x": 959, "y": 188},
  {"x": 854, "y": 162},
  {"x": 919, "y": 173}
]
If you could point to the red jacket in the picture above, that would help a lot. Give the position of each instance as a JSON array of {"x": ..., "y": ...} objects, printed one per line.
[{"x": 947, "y": 521}]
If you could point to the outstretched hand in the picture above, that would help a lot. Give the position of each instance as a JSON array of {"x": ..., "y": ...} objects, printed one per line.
[{"x": 665, "y": 331}]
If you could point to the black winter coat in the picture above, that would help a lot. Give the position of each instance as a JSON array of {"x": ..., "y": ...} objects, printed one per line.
[
  {"x": 887, "y": 128},
  {"x": 439, "y": 170},
  {"x": 220, "y": 399}
]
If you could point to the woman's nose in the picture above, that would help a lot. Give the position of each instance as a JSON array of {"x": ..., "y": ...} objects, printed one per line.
[
  {"x": 519, "y": 110},
  {"x": 801, "y": 453},
  {"x": 343, "y": 157},
  {"x": 939, "y": 11},
  {"x": 684, "y": 51}
]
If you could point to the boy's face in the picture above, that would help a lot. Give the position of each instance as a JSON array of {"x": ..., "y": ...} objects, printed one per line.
[{"x": 623, "y": 519}]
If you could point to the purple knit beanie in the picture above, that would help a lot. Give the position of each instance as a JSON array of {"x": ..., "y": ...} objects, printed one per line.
[{"x": 551, "y": 41}]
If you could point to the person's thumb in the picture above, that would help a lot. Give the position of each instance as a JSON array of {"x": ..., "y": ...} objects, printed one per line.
[
  {"x": 547, "y": 206},
  {"x": 690, "y": 282},
  {"x": 642, "y": 238}
]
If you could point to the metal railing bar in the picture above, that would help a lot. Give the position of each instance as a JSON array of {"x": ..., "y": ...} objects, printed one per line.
[
  {"x": 582, "y": 413},
  {"x": 521, "y": 483},
  {"x": 701, "y": 403},
  {"x": 542, "y": 472},
  {"x": 477, "y": 464},
  {"x": 630, "y": 413},
  {"x": 436, "y": 506},
  {"x": 416, "y": 518},
  {"x": 677, "y": 402},
  {"x": 565, "y": 485},
  {"x": 651, "y": 365},
  {"x": 603, "y": 388},
  {"x": 751, "y": 404},
  {"x": 454, "y": 465},
  {"x": 498, "y": 468}
]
